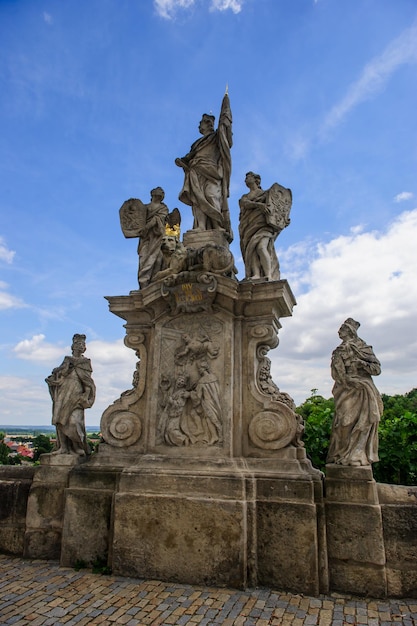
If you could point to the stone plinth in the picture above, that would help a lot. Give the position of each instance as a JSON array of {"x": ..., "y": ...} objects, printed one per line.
[
  {"x": 355, "y": 542},
  {"x": 399, "y": 518},
  {"x": 45, "y": 509}
]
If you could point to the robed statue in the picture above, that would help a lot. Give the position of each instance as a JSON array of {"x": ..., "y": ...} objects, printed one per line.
[
  {"x": 72, "y": 390},
  {"x": 263, "y": 215},
  {"x": 207, "y": 168},
  {"x": 357, "y": 403}
]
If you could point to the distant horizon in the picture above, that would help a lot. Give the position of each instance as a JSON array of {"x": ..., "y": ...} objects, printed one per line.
[{"x": 4, "y": 427}]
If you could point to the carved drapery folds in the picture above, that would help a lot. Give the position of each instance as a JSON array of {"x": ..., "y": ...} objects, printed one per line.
[{"x": 121, "y": 426}]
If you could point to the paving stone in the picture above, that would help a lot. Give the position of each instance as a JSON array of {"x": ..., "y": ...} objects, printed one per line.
[{"x": 39, "y": 593}]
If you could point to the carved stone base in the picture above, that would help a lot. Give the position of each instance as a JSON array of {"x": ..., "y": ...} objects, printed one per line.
[
  {"x": 355, "y": 539},
  {"x": 199, "y": 238},
  {"x": 45, "y": 509},
  {"x": 217, "y": 523}
]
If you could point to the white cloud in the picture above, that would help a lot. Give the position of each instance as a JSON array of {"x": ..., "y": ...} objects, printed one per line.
[
  {"x": 37, "y": 349},
  {"x": 7, "y": 301},
  {"x": 6, "y": 254},
  {"x": 168, "y": 8},
  {"x": 375, "y": 75},
  {"x": 404, "y": 195},
  {"x": 113, "y": 366},
  {"x": 366, "y": 275},
  {"x": 223, "y": 5}
]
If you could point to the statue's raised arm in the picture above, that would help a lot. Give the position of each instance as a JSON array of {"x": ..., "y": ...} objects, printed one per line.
[{"x": 207, "y": 169}]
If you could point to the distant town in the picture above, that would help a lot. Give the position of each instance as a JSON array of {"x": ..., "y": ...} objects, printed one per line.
[{"x": 22, "y": 445}]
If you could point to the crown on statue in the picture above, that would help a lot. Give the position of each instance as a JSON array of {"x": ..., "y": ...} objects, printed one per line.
[{"x": 172, "y": 231}]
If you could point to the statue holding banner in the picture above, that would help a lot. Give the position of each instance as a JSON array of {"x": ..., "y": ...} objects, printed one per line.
[{"x": 207, "y": 168}]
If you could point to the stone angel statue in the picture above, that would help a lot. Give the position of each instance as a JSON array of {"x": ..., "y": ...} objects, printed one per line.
[
  {"x": 150, "y": 222},
  {"x": 263, "y": 215}
]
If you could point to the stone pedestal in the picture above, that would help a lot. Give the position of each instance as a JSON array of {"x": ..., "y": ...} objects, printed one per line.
[
  {"x": 355, "y": 540},
  {"x": 202, "y": 477},
  {"x": 45, "y": 508},
  {"x": 221, "y": 525}
]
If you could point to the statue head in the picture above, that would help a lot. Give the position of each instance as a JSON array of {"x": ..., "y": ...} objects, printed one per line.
[
  {"x": 251, "y": 176},
  {"x": 169, "y": 243},
  {"x": 78, "y": 345},
  {"x": 349, "y": 328},
  {"x": 181, "y": 381},
  {"x": 203, "y": 367},
  {"x": 207, "y": 124},
  {"x": 158, "y": 192}
]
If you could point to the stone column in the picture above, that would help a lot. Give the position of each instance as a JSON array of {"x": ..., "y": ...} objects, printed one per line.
[{"x": 355, "y": 542}]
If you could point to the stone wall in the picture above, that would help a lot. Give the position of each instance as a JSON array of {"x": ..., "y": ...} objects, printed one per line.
[
  {"x": 86, "y": 527},
  {"x": 15, "y": 484}
]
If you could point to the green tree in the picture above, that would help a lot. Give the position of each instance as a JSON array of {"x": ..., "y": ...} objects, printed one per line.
[
  {"x": 317, "y": 413},
  {"x": 5, "y": 457},
  {"x": 397, "y": 435},
  {"x": 4, "y": 451},
  {"x": 41, "y": 445},
  {"x": 397, "y": 442}
]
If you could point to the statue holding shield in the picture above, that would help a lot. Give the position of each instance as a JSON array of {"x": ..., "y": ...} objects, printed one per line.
[
  {"x": 150, "y": 222},
  {"x": 263, "y": 215}
]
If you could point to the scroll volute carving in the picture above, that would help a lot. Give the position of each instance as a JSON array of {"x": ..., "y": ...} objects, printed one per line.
[
  {"x": 275, "y": 425},
  {"x": 121, "y": 426}
]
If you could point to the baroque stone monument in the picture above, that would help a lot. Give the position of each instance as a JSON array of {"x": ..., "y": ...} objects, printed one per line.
[{"x": 202, "y": 475}]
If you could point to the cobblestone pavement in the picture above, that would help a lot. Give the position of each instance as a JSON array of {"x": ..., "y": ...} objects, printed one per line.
[{"x": 41, "y": 593}]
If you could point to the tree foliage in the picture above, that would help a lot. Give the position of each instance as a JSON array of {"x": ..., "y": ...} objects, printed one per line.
[
  {"x": 397, "y": 435},
  {"x": 317, "y": 413},
  {"x": 41, "y": 445}
]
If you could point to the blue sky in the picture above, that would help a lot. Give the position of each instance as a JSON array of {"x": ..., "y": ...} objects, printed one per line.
[{"x": 97, "y": 99}]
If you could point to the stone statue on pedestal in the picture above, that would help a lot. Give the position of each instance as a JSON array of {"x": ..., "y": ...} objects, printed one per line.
[
  {"x": 358, "y": 404},
  {"x": 72, "y": 390},
  {"x": 146, "y": 221},
  {"x": 207, "y": 169},
  {"x": 263, "y": 215}
]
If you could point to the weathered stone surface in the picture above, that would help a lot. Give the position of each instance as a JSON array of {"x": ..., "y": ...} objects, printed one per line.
[
  {"x": 399, "y": 518},
  {"x": 15, "y": 484},
  {"x": 357, "y": 578},
  {"x": 181, "y": 539},
  {"x": 287, "y": 552},
  {"x": 355, "y": 542},
  {"x": 45, "y": 509},
  {"x": 87, "y": 525}
]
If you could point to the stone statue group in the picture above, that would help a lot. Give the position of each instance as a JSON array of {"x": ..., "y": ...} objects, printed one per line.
[
  {"x": 207, "y": 168},
  {"x": 192, "y": 413}
]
